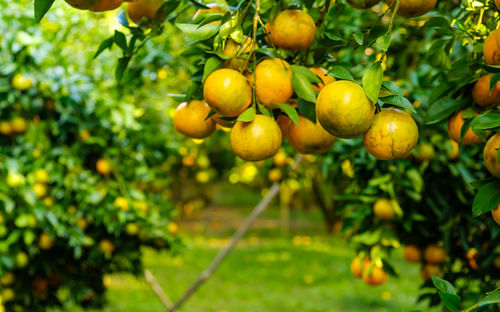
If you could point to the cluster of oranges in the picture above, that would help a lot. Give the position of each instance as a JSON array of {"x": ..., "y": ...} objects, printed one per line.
[
  {"x": 342, "y": 108},
  {"x": 371, "y": 271}
]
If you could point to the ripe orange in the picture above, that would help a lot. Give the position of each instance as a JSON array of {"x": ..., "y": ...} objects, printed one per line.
[
  {"x": 413, "y": 8},
  {"x": 455, "y": 127},
  {"x": 7, "y": 279},
  {"x": 293, "y": 29},
  {"x": 275, "y": 175},
  {"x": 122, "y": 203},
  {"x": 412, "y": 253},
  {"x": 497, "y": 2},
  {"x": 18, "y": 125},
  {"x": 452, "y": 149},
  {"x": 323, "y": 75},
  {"x": 106, "y": 5},
  {"x": 256, "y": 140},
  {"x": 481, "y": 92},
  {"x": 367, "y": 4},
  {"x": 45, "y": 242},
  {"x": 376, "y": 277},
  {"x": 227, "y": 92},
  {"x": 280, "y": 159},
  {"x": 435, "y": 254},
  {"x": 343, "y": 109},
  {"x": 189, "y": 119},
  {"x": 284, "y": 122},
  {"x": 382, "y": 209},
  {"x": 392, "y": 135},
  {"x": 273, "y": 81},
  {"x": 491, "y": 155},
  {"x": 82, "y": 4},
  {"x": 357, "y": 268},
  {"x": 5, "y": 128},
  {"x": 106, "y": 246},
  {"x": 429, "y": 270},
  {"x": 308, "y": 137},
  {"x": 148, "y": 9},
  {"x": 21, "y": 82},
  {"x": 104, "y": 166},
  {"x": 491, "y": 51},
  {"x": 495, "y": 213},
  {"x": 39, "y": 189},
  {"x": 236, "y": 51}
]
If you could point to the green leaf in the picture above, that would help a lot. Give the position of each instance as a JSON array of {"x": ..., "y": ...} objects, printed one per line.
[
  {"x": 193, "y": 32},
  {"x": 443, "y": 285},
  {"x": 392, "y": 87},
  {"x": 400, "y": 101},
  {"x": 487, "y": 198},
  {"x": 290, "y": 111},
  {"x": 440, "y": 110},
  {"x": 122, "y": 66},
  {"x": 487, "y": 121},
  {"x": 383, "y": 42},
  {"x": 120, "y": 40},
  {"x": 303, "y": 87},
  {"x": 492, "y": 298},
  {"x": 248, "y": 115},
  {"x": 264, "y": 111},
  {"x": 306, "y": 72},
  {"x": 358, "y": 37},
  {"x": 41, "y": 8},
  {"x": 451, "y": 301},
  {"x": 372, "y": 81},
  {"x": 307, "y": 109},
  {"x": 341, "y": 73},
  {"x": 211, "y": 65},
  {"x": 106, "y": 44},
  {"x": 437, "y": 22}
]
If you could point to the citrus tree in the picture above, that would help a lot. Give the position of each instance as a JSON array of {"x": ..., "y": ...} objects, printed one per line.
[{"x": 399, "y": 95}]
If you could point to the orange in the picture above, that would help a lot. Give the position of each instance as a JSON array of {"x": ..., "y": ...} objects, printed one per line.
[
  {"x": 275, "y": 175},
  {"x": 435, "y": 254},
  {"x": 452, "y": 149},
  {"x": 45, "y": 242},
  {"x": 280, "y": 159},
  {"x": 481, "y": 92},
  {"x": 21, "y": 82},
  {"x": 429, "y": 270},
  {"x": 412, "y": 253},
  {"x": 323, "y": 75},
  {"x": 425, "y": 152},
  {"x": 308, "y": 137},
  {"x": 367, "y": 3},
  {"x": 18, "y": 125},
  {"x": 148, "y": 9},
  {"x": 357, "y": 268},
  {"x": 39, "y": 189},
  {"x": 5, "y": 128},
  {"x": 491, "y": 155},
  {"x": 106, "y": 246},
  {"x": 376, "y": 277},
  {"x": 491, "y": 52},
  {"x": 343, "y": 109},
  {"x": 227, "y": 92},
  {"x": 106, "y": 5},
  {"x": 455, "y": 127},
  {"x": 236, "y": 50},
  {"x": 273, "y": 81},
  {"x": 284, "y": 122},
  {"x": 497, "y": 2},
  {"x": 41, "y": 176},
  {"x": 382, "y": 209},
  {"x": 413, "y": 8},
  {"x": 189, "y": 119},
  {"x": 256, "y": 140},
  {"x": 293, "y": 29},
  {"x": 82, "y": 4},
  {"x": 104, "y": 166},
  {"x": 122, "y": 203},
  {"x": 392, "y": 135},
  {"x": 495, "y": 213},
  {"x": 7, "y": 279}
]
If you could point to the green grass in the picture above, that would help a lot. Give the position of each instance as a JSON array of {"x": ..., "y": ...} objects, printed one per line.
[{"x": 263, "y": 275}]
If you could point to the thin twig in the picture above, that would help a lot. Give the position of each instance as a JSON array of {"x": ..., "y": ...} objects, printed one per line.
[
  {"x": 156, "y": 287},
  {"x": 242, "y": 230}
]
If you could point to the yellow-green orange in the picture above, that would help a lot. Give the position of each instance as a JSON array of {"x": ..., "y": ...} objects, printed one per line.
[
  {"x": 293, "y": 29},
  {"x": 21, "y": 82},
  {"x": 392, "y": 135},
  {"x": 227, "y": 92},
  {"x": 256, "y": 140},
  {"x": 343, "y": 109},
  {"x": 273, "y": 82},
  {"x": 148, "y": 9},
  {"x": 383, "y": 210},
  {"x": 490, "y": 154},
  {"x": 189, "y": 119},
  {"x": 106, "y": 5},
  {"x": 308, "y": 137},
  {"x": 237, "y": 51}
]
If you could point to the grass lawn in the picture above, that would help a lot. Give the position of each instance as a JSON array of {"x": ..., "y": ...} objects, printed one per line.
[{"x": 266, "y": 272}]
